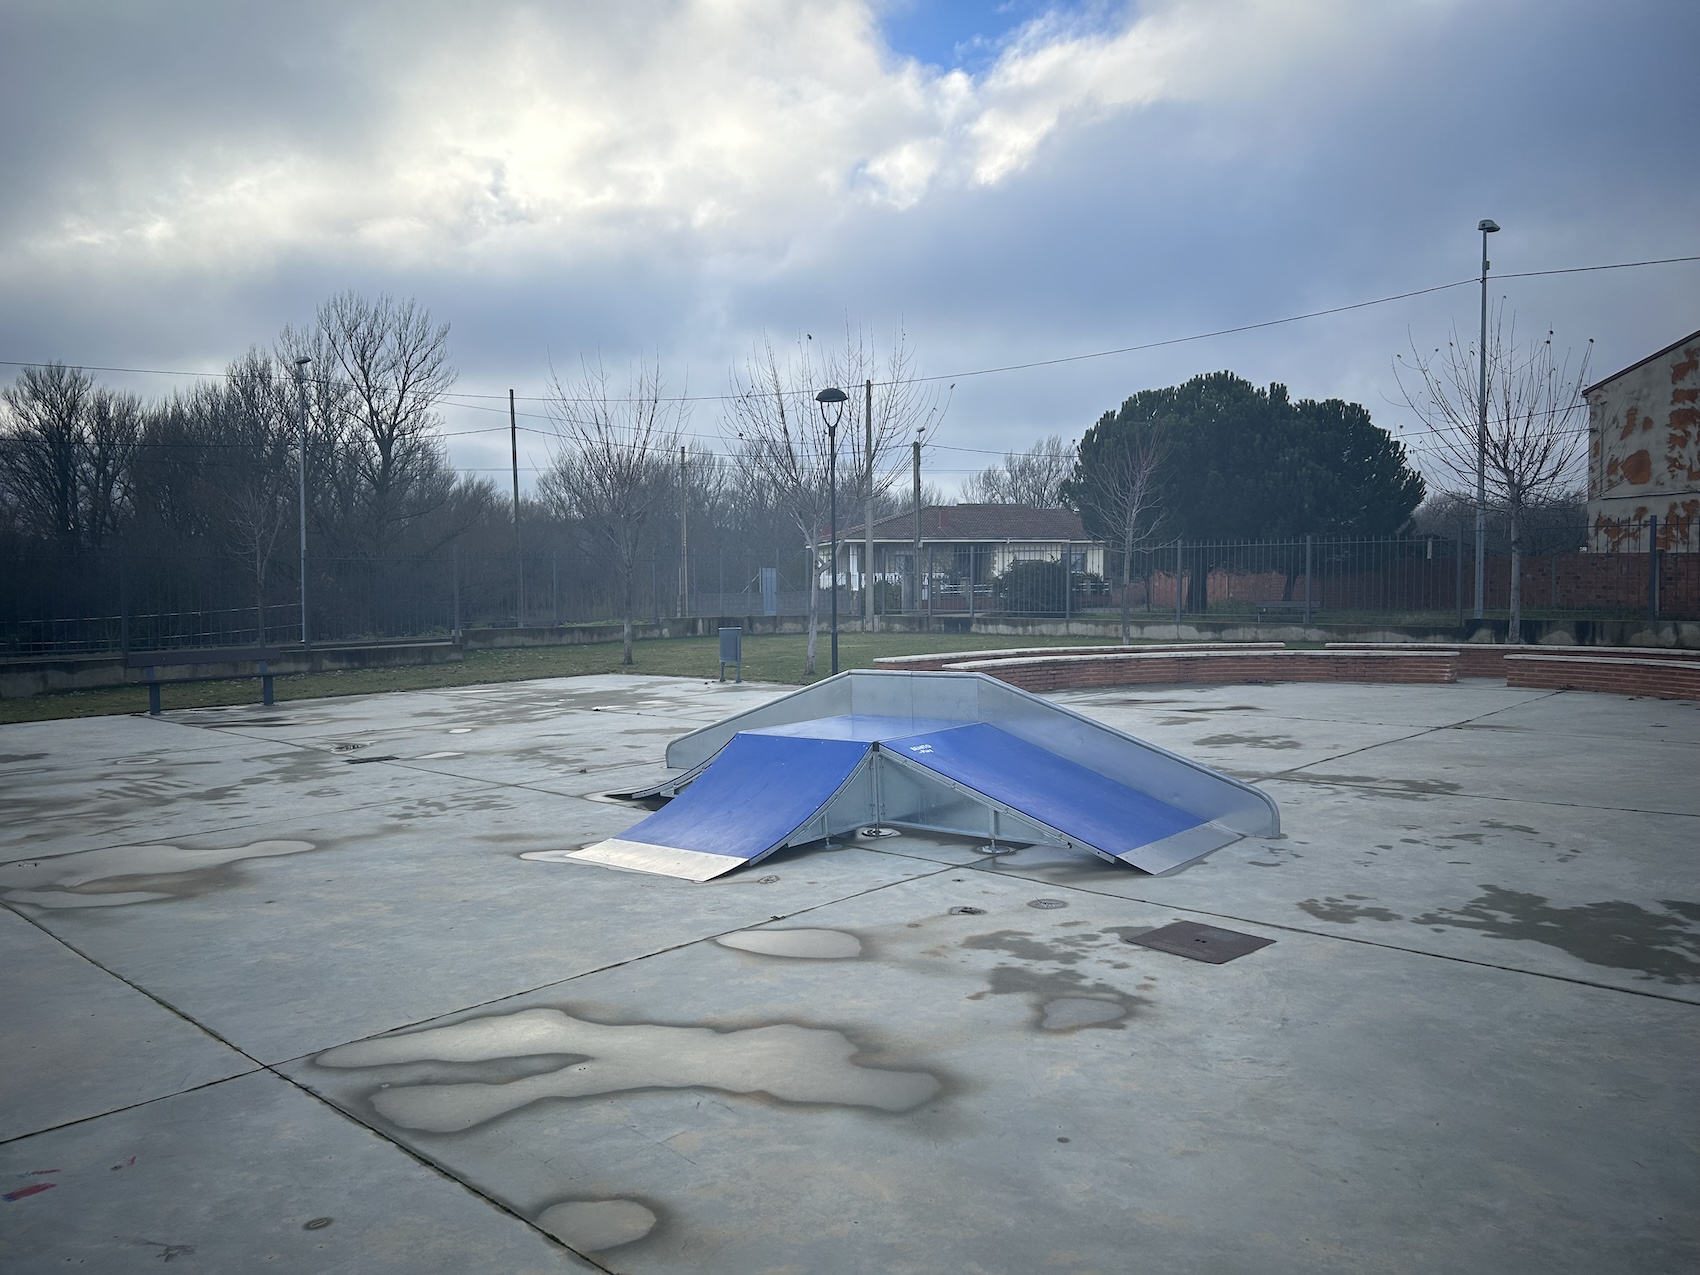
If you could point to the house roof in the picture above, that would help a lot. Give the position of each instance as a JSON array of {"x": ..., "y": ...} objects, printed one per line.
[
  {"x": 978, "y": 522},
  {"x": 1656, "y": 354}
]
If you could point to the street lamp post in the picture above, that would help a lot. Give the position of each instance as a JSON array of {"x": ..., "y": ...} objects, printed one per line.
[
  {"x": 1487, "y": 226},
  {"x": 835, "y": 397},
  {"x": 301, "y": 475}
]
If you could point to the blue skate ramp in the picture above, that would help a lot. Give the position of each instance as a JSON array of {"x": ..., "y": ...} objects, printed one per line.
[
  {"x": 759, "y": 792},
  {"x": 1115, "y": 821}
]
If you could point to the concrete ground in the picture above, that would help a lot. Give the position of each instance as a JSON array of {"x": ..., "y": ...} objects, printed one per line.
[{"x": 1473, "y": 1046}]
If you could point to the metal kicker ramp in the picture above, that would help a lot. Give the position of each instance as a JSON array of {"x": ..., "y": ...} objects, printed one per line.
[{"x": 958, "y": 753}]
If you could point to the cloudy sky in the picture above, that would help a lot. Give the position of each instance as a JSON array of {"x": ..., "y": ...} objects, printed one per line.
[{"x": 1004, "y": 181}]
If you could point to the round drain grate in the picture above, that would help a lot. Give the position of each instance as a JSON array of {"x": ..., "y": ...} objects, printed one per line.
[{"x": 1047, "y": 903}]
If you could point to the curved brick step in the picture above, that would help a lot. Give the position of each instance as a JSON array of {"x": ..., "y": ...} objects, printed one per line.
[
  {"x": 1482, "y": 659},
  {"x": 1660, "y": 678},
  {"x": 947, "y": 659},
  {"x": 1213, "y": 667}
]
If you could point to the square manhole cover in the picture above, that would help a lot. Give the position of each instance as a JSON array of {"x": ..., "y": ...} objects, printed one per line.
[{"x": 1200, "y": 942}]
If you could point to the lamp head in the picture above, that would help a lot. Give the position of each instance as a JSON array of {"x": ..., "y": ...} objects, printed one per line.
[
  {"x": 831, "y": 395},
  {"x": 1488, "y": 226}
]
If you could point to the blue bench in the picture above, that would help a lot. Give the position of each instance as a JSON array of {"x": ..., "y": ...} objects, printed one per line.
[{"x": 150, "y": 662}]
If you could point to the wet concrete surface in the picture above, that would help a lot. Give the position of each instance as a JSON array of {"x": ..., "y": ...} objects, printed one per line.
[{"x": 297, "y": 989}]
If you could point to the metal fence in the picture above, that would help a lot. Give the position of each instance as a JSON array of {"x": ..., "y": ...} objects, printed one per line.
[{"x": 100, "y": 602}]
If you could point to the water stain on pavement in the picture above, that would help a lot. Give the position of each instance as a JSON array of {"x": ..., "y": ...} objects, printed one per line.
[
  {"x": 1344, "y": 912},
  {"x": 119, "y": 875},
  {"x": 1251, "y": 741},
  {"x": 784, "y": 1061},
  {"x": 1613, "y": 935},
  {"x": 589, "y": 1226},
  {"x": 801, "y": 944}
]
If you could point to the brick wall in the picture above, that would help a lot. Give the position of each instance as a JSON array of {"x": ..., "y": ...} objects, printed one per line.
[{"x": 1656, "y": 678}]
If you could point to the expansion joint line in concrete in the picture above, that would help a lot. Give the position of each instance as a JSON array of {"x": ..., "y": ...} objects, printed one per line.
[{"x": 272, "y": 1069}]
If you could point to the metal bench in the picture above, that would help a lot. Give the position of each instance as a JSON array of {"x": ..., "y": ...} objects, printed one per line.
[{"x": 150, "y": 662}]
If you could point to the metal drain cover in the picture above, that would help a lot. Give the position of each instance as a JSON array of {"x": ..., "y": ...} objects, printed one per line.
[
  {"x": 1046, "y": 903},
  {"x": 1200, "y": 942}
]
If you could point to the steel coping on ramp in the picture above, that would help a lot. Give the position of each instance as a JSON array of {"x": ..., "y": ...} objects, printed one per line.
[{"x": 760, "y": 792}]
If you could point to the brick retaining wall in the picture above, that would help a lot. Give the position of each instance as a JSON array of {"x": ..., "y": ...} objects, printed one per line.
[
  {"x": 1657, "y": 678},
  {"x": 1124, "y": 668}
]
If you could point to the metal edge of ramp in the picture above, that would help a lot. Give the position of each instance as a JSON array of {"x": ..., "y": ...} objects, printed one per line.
[
  {"x": 697, "y": 807},
  {"x": 1156, "y": 857}
]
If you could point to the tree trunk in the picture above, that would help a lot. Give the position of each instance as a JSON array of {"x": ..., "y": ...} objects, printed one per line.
[
  {"x": 814, "y": 608},
  {"x": 259, "y": 599},
  {"x": 626, "y": 573},
  {"x": 1514, "y": 633},
  {"x": 1127, "y": 590},
  {"x": 1198, "y": 585}
]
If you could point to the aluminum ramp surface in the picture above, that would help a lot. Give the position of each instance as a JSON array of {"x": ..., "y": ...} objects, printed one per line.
[
  {"x": 1111, "y": 819},
  {"x": 761, "y": 792}
]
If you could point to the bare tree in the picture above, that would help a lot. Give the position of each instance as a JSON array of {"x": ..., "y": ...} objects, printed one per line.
[
  {"x": 253, "y": 413},
  {"x": 380, "y": 369},
  {"x": 66, "y": 450},
  {"x": 1034, "y": 477},
  {"x": 776, "y": 432},
  {"x": 1535, "y": 434},
  {"x": 614, "y": 466},
  {"x": 1115, "y": 488}
]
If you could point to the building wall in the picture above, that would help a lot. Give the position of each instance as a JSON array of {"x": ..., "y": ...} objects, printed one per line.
[{"x": 1644, "y": 454}]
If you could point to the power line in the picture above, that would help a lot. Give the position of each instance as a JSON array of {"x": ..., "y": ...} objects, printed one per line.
[{"x": 991, "y": 371}]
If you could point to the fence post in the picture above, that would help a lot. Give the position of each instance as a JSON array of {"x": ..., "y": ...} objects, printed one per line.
[
  {"x": 1177, "y": 588},
  {"x": 1458, "y": 574},
  {"x": 1653, "y": 566},
  {"x": 123, "y": 608},
  {"x": 929, "y": 586},
  {"x": 1307, "y": 580},
  {"x": 970, "y": 588},
  {"x": 1068, "y": 583},
  {"x": 455, "y": 587},
  {"x": 555, "y": 588}
]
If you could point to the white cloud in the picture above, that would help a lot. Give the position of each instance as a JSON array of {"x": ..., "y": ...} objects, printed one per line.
[{"x": 524, "y": 132}]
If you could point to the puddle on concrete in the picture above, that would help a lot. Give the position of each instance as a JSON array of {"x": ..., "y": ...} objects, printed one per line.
[
  {"x": 110, "y": 877},
  {"x": 1615, "y": 934},
  {"x": 589, "y": 1226},
  {"x": 1251, "y": 741},
  {"x": 811, "y": 945},
  {"x": 1344, "y": 911},
  {"x": 1067, "y": 1013},
  {"x": 1398, "y": 787},
  {"x": 782, "y": 1060}
]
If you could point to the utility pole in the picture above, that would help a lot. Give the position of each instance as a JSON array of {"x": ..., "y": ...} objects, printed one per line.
[
  {"x": 301, "y": 426},
  {"x": 519, "y": 559},
  {"x": 868, "y": 514},
  {"x": 1487, "y": 226},
  {"x": 684, "y": 539},
  {"x": 915, "y": 461}
]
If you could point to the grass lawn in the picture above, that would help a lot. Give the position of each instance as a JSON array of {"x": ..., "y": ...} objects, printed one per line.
[{"x": 766, "y": 659}]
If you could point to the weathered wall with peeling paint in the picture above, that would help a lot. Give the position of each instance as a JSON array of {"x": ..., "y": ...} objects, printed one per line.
[{"x": 1644, "y": 453}]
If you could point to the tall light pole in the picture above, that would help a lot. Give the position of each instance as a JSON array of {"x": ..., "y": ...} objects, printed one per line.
[
  {"x": 301, "y": 428},
  {"x": 836, "y": 397},
  {"x": 1487, "y": 226}
]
